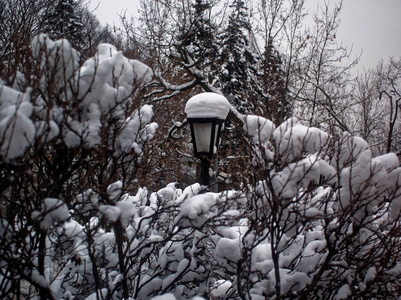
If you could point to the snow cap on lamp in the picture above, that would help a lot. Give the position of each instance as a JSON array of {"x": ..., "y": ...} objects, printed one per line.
[{"x": 207, "y": 105}]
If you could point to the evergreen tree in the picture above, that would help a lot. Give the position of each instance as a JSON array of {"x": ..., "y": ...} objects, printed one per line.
[
  {"x": 236, "y": 78},
  {"x": 19, "y": 23},
  {"x": 274, "y": 104},
  {"x": 62, "y": 21},
  {"x": 72, "y": 20},
  {"x": 199, "y": 40},
  {"x": 238, "y": 61},
  {"x": 93, "y": 33}
]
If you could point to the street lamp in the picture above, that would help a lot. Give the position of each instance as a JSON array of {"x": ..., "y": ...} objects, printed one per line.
[{"x": 206, "y": 113}]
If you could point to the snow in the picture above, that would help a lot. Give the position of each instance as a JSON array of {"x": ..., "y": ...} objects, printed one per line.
[
  {"x": 343, "y": 293},
  {"x": 123, "y": 209},
  {"x": 46, "y": 131},
  {"x": 259, "y": 128},
  {"x": 149, "y": 286},
  {"x": 98, "y": 75},
  {"x": 379, "y": 172},
  {"x": 261, "y": 253},
  {"x": 53, "y": 210},
  {"x": 98, "y": 295},
  {"x": 5, "y": 229},
  {"x": 106, "y": 85},
  {"x": 72, "y": 229},
  {"x": 279, "y": 132},
  {"x": 56, "y": 56},
  {"x": 197, "y": 209},
  {"x": 168, "y": 296},
  {"x": 167, "y": 194},
  {"x": 285, "y": 183},
  {"x": 313, "y": 256},
  {"x": 17, "y": 131},
  {"x": 182, "y": 266},
  {"x": 39, "y": 279},
  {"x": 349, "y": 149},
  {"x": 114, "y": 190},
  {"x": 299, "y": 138},
  {"x": 133, "y": 134},
  {"x": 142, "y": 73},
  {"x": 110, "y": 213},
  {"x": 207, "y": 105},
  {"x": 229, "y": 249},
  {"x": 289, "y": 280},
  {"x": 127, "y": 211},
  {"x": 388, "y": 161},
  {"x": 370, "y": 274},
  {"x": 92, "y": 127},
  {"x": 395, "y": 205},
  {"x": 220, "y": 288}
]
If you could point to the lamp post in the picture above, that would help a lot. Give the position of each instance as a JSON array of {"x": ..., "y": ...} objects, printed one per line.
[{"x": 206, "y": 113}]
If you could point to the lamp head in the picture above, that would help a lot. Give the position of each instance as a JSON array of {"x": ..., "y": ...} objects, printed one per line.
[{"x": 206, "y": 113}]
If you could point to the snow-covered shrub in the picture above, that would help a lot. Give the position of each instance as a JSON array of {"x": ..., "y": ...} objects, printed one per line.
[
  {"x": 318, "y": 217},
  {"x": 70, "y": 148},
  {"x": 322, "y": 218}
]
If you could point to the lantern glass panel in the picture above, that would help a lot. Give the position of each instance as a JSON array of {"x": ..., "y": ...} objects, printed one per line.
[
  {"x": 203, "y": 132},
  {"x": 216, "y": 135}
]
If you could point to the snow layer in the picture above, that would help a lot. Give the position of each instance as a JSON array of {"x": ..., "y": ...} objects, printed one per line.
[
  {"x": 259, "y": 128},
  {"x": 207, "y": 105},
  {"x": 53, "y": 210},
  {"x": 197, "y": 209},
  {"x": 55, "y": 56},
  {"x": 109, "y": 78},
  {"x": 298, "y": 139},
  {"x": 220, "y": 288},
  {"x": 168, "y": 296},
  {"x": 229, "y": 249},
  {"x": 106, "y": 84},
  {"x": 17, "y": 130}
]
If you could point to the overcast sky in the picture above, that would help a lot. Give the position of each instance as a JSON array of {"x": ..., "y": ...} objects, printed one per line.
[{"x": 371, "y": 26}]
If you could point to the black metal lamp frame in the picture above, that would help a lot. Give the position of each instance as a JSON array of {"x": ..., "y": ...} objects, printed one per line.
[{"x": 206, "y": 157}]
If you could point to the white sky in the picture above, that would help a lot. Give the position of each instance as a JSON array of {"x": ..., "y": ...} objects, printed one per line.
[{"x": 371, "y": 26}]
